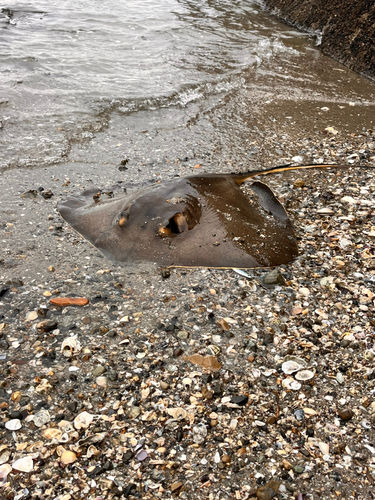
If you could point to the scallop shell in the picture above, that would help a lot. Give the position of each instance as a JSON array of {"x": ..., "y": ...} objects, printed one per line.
[
  {"x": 304, "y": 375},
  {"x": 290, "y": 367}
]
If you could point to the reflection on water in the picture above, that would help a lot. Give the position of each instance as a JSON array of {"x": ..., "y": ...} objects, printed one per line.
[{"x": 66, "y": 66}]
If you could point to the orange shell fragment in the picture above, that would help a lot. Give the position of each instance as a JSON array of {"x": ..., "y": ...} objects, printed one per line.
[{"x": 69, "y": 301}]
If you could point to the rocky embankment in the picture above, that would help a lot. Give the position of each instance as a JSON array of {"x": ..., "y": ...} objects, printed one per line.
[{"x": 348, "y": 28}]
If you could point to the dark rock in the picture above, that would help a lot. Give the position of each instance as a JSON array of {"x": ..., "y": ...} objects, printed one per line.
[
  {"x": 268, "y": 491},
  {"x": 345, "y": 414},
  {"x": 240, "y": 400},
  {"x": 46, "y": 326},
  {"x": 346, "y": 27}
]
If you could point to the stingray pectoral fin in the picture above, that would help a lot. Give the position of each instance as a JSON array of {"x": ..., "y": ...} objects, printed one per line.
[{"x": 268, "y": 200}]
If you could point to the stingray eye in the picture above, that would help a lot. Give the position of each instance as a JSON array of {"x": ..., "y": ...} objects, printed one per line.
[
  {"x": 124, "y": 217},
  {"x": 178, "y": 223}
]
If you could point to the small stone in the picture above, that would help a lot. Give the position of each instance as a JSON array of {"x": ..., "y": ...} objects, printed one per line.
[
  {"x": 135, "y": 412},
  {"x": 176, "y": 486},
  {"x": 178, "y": 352},
  {"x": 299, "y": 469},
  {"x": 226, "y": 459},
  {"x": 101, "y": 381},
  {"x": 165, "y": 273},
  {"x": 86, "y": 320},
  {"x": 273, "y": 278},
  {"x": 164, "y": 385},
  {"x": 51, "y": 269},
  {"x": 46, "y": 326},
  {"x": 268, "y": 490},
  {"x": 72, "y": 406},
  {"x": 99, "y": 370},
  {"x": 299, "y": 415},
  {"x": 183, "y": 335},
  {"x": 286, "y": 465},
  {"x": 240, "y": 400},
  {"x": 346, "y": 414},
  {"x": 298, "y": 183},
  {"x": 68, "y": 457},
  {"x": 24, "y": 464},
  {"x": 69, "y": 301}
]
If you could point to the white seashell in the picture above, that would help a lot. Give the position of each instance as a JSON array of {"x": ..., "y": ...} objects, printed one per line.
[
  {"x": 24, "y": 464},
  {"x": 177, "y": 413},
  {"x": 268, "y": 372},
  {"x": 30, "y": 316},
  {"x": 291, "y": 384},
  {"x": 325, "y": 211},
  {"x": 4, "y": 471},
  {"x": 304, "y": 375},
  {"x": 92, "y": 451},
  {"x": 290, "y": 367},
  {"x": 13, "y": 425},
  {"x": 70, "y": 346},
  {"x": 83, "y": 420},
  {"x": 41, "y": 418},
  {"x": 52, "y": 433},
  {"x": 324, "y": 448},
  {"x": 4, "y": 456}
]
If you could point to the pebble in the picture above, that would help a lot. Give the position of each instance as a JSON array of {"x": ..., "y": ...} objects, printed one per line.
[
  {"x": 176, "y": 486},
  {"x": 135, "y": 412},
  {"x": 226, "y": 459},
  {"x": 268, "y": 490},
  {"x": 69, "y": 301},
  {"x": 298, "y": 183},
  {"x": 183, "y": 334},
  {"x": 298, "y": 469},
  {"x": 345, "y": 414},
  {"x": 68, "y": 457},
  {"x": 101, "y": 381},
  {"x": 99, "y": 370},
  {"x": 47, "y": 325},
  {"x": 164, "y": 385},
  {"x": 240, "y": 400},
  {"x": 273, "y": 278}
]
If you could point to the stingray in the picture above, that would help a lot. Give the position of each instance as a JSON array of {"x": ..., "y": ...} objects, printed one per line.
[{"x": 197, "y": 221}]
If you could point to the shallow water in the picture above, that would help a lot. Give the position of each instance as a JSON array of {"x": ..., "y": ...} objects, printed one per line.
[{"x": 67, "y": 70}]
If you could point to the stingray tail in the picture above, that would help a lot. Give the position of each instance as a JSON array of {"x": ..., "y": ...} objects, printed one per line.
[{"x": 240, "y": 178}]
